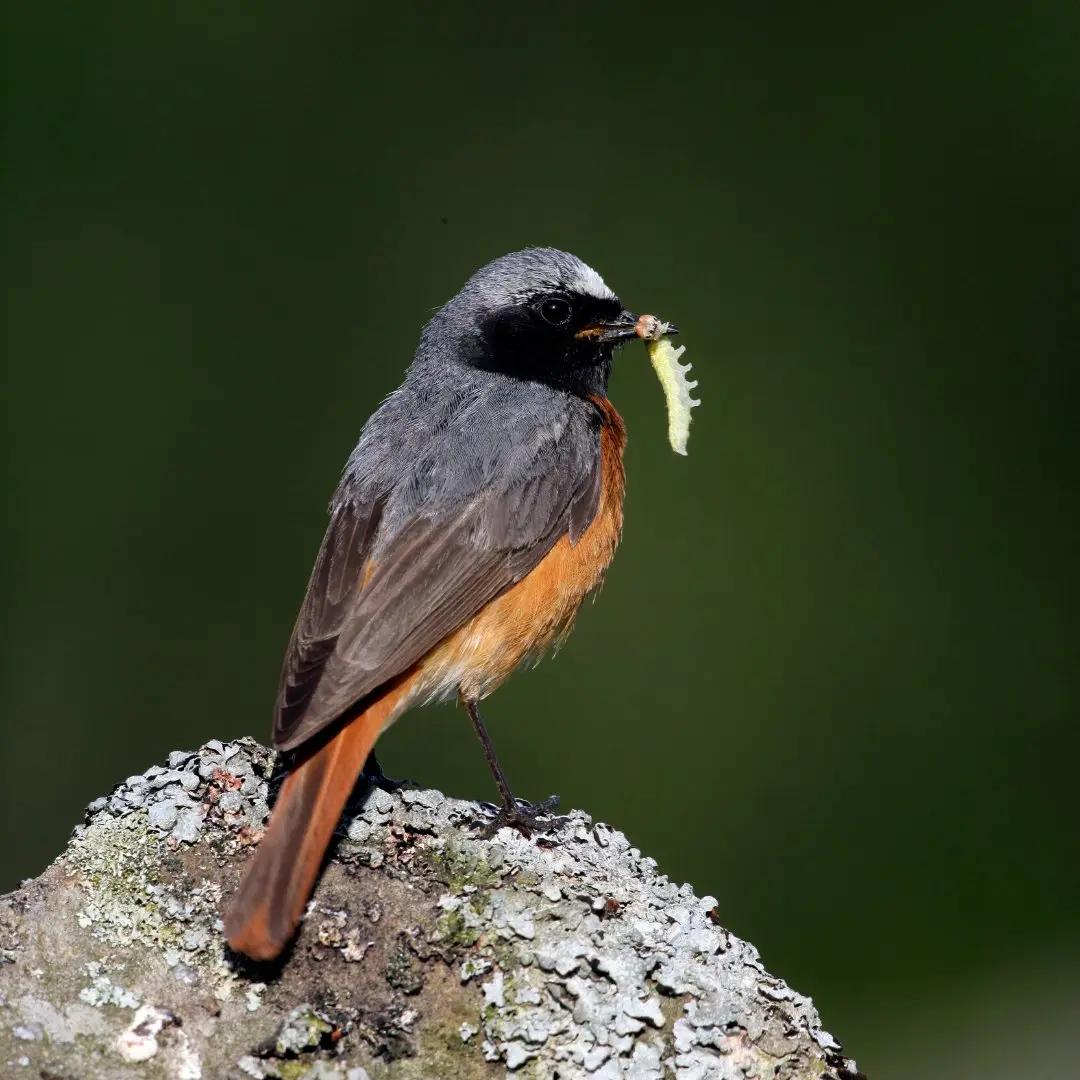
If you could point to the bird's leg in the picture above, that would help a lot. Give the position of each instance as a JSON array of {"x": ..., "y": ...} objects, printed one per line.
[
  {"x": 375, "y": 777},
  {"x": 516, "y": 813}
]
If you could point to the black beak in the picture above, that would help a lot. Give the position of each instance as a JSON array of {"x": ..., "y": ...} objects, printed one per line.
[
  {"x": 620, "y": 329},
  {"x": 626, "y": 326}
]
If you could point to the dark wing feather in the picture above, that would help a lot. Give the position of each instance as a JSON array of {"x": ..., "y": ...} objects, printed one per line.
[
  {"x": 363, "y": 623},
  {"x": 336, "y": 577}
]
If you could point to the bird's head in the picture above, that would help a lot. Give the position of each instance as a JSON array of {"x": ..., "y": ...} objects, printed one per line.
[{"x": 540, "y": 314}]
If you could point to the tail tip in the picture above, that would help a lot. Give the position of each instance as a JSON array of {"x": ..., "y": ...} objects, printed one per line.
[{"x": 252, "y": 937}]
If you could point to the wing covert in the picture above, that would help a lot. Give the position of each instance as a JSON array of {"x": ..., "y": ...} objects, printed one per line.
[{"x": 377, "y": 604}]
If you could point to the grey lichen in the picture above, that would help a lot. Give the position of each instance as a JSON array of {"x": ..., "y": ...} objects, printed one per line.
[{"x": 427, "y": 951}]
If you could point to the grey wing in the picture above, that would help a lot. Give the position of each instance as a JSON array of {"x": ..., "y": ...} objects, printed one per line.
[
  {"x": 373, "y": 609},
  {"x": 337, "y": 575}
]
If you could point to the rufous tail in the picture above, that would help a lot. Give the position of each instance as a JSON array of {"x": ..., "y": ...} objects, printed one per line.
[{"x": 267, "y": 907}]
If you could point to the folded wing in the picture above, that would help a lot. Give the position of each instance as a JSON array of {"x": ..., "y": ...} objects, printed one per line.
[{"x": 377, "y": 603}]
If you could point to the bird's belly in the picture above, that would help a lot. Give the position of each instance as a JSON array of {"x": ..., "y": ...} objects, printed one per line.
[{"x": 538, "y": 612}]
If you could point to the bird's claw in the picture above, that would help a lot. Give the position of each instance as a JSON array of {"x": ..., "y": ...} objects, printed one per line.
[
  {"x": 375, "y": 777},
  {"x": 527, "y": 818}
]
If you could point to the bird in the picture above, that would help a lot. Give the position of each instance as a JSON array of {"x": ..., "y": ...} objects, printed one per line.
[{"x": 481, "y": 505}]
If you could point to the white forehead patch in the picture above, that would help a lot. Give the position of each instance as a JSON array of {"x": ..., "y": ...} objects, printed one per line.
[{"x": 589, "y": 283}]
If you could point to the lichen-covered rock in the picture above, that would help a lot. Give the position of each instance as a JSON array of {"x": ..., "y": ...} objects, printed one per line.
[{"x": 426, "y": 952}]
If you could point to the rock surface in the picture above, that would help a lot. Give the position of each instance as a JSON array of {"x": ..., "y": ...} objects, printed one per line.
[{"x": 427, "y": 952}]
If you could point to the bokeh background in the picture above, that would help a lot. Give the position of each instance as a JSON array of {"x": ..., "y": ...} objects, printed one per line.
[{"x": 832, "y": 678}]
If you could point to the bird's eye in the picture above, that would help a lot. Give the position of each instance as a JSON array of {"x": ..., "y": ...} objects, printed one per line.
[{"x": 556, "y": 311}]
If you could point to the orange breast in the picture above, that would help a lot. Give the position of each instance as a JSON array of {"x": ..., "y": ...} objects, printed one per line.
[{"x": 538, "y": 612}]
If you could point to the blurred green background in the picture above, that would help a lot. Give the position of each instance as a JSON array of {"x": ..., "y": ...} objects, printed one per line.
[{"x": 832, "y": 678}]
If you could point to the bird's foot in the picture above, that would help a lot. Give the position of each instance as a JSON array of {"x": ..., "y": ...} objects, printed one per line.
[
  {"x": 527, "y": 818},
  {"x": 373, "y": 776},
  {"x": 389, "y": 783}
]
